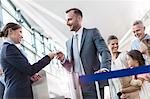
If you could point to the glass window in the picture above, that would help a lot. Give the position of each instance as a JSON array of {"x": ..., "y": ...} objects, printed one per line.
[
  {"x": 26, "y": 44},
  {"x": 26, "y": 26},
  {"x": 47, "y": 45},
  {"x": 7, "y": 17},
  {"x": 39, "y": 46},
  {"x": 38, "y": 57},
  {"x": 47, "y": 51},
  {"x": 30, "y": 55},
  {"x": 45, "y": 39},
  {"x": 28, "y": 37},
  {"x": 38, "y": 36},
  {"x": 5, "y": 4}
]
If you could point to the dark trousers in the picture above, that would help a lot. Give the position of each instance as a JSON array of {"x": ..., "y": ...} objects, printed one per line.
[
  {"x": 102, "y": 84},
  {"x": 89, "y": 91},
  {"x": 101, "y": 92}
]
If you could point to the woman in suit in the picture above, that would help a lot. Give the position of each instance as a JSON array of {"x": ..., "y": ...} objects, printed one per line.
[
  {"x": 15, "y": 65},
  {"x": 2, "y": 83}
]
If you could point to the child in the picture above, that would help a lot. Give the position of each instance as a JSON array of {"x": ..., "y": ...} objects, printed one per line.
[{"x": 136, "y": 59}]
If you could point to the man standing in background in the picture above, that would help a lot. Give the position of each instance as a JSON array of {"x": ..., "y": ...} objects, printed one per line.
[{"x": 138, "y": 29}]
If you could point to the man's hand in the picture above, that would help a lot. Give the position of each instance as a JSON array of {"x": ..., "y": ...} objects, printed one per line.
[
  {"x": 60, "y": 56},
  {"x": 36, "y": 77},
  {"x": 101, "y": 70},
  {"x": 123, "y": 96}
]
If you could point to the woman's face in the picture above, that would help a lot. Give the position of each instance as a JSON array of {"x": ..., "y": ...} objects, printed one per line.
[
  {"x": 16, "y": 36},
  {"x": 113, "y": 45},
  {"x": 131, "y": 62}
]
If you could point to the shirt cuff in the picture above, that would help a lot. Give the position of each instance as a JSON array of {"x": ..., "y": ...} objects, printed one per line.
[
  {"x": 104, "y": 69},
  {"x": 62, "y": 62}
]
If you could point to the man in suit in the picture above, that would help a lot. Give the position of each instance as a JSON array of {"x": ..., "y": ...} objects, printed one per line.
[{"x": 89, "y": 45}]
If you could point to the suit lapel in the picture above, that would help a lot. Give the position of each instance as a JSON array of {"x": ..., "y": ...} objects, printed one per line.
[
  {"x": 17, "y": 49},
  {"x": 83, "y": 38}
]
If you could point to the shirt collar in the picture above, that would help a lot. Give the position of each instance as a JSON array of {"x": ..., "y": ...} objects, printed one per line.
[
  {"x": 79, "y": 32},
  {"x": 9, "y": 41}
]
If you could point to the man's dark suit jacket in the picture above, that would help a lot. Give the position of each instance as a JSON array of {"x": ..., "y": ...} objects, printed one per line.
[
  {"x": 92, "y": 45},
  {"x": 17, "y": 71}
]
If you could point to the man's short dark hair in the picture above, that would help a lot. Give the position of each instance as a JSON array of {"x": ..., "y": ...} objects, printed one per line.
[
  {"x": 137, "y": 22},
  {"x": 76, "y": 11},
  {"x": 111, "y": 37}
]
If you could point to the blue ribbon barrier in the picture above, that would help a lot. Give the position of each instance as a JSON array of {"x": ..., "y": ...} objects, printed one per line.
[{"x": 114, "y": 74}]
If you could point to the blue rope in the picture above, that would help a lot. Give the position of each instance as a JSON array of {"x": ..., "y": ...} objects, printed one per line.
[{"x": 114, "y": 74}]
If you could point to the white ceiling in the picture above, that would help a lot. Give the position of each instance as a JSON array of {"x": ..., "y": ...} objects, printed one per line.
[{"x": 109, "y": 16}]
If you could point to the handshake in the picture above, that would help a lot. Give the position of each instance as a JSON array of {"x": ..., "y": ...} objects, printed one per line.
[{"x": 59, "y": 55}]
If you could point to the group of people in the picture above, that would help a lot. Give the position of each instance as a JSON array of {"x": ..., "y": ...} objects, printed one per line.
[
  {"x": 136, "y": 86},
  {"x": 83, "y": 50}
]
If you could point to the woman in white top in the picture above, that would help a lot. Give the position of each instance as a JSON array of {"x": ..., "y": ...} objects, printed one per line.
[{"x": 118, "y": 62}]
